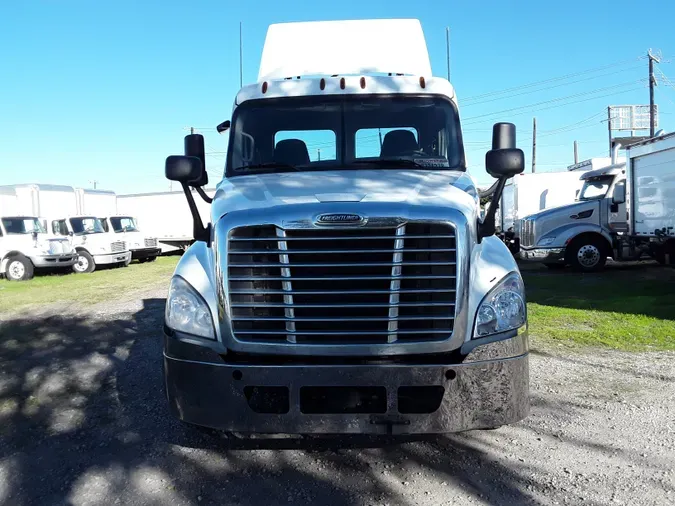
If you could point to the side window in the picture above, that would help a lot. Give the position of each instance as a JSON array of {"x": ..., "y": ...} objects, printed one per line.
[
  {"x": 321, "y": 144},
  {"x": 104, "y": 224},
  {"x": 368, "y": 141},
  {"x": 59, "y": 227}
]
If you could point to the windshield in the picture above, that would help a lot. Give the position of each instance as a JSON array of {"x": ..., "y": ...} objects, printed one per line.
[
  {"x": 84, "y": 226},
  {"x": 123, "y": 224},
  {"x": 21, "y": 225},
  {"x": 596, "y": 188},
  {"x": 328, "y": 133}
]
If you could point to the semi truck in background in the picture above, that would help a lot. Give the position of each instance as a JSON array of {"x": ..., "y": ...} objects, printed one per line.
[
  {"x": 359, "y": 291},
  {"x": 165, "y": 215},
  {"x": 625, "y": 211},
  {"x": 104, "y": 205},
  {"x": 24, "y": 243},
  {"x": 56, "y": 207},
  {"x": 527, "y": 194}
]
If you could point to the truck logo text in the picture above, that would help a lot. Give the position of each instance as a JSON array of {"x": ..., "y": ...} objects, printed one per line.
[{"x": 339, "y": 219}]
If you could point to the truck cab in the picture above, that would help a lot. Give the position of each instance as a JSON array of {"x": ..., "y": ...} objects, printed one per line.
[
  {"x": 142, "y": 247},
  {"x": 25, "y": 247},
  {"x": 91, "y": 242},
  {"x": 345, "y": 282}
]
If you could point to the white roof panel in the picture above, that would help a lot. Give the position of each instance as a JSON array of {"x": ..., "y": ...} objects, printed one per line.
[{"x": 344, "y": 47}]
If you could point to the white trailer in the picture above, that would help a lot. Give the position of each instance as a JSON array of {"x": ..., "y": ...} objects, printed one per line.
[
  {"x": 164, "y": 215},
  {"x": 103, "y": 204}
]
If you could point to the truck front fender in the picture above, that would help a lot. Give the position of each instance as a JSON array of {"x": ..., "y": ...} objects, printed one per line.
[{"x": 566, "y": 234}]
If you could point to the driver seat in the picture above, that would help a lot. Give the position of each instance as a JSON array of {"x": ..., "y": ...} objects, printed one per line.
[{"x": 397, "y": 143}]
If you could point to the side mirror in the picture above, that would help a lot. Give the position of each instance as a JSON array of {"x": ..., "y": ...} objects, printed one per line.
[
  {"x": 619, "y": 195},
  {"x": 504, "y": 160},
  {"x": 184, "y": 169},
  {"x": 194, "y": 146},
  {"x": 223, "y": 127}
]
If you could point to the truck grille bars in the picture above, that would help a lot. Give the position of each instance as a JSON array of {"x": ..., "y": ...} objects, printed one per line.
[{"x": 342, "y": 286}]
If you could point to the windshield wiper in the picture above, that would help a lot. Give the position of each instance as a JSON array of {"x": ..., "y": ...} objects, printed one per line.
[
  {"x": 391, "y": 162},
  {"x": 267, "y": 165}
]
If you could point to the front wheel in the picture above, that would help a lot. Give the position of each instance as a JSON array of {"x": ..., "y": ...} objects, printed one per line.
[
  {"x": 587, "y": 254},
  {"x": 19, "y": 268},
  {"x": 85, "y": 263}
]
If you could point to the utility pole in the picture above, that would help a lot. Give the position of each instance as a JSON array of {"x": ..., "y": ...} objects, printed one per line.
[
  {"x": 318, "y": 152},
  {"x": 192, "y": 130},
  {"x": 447, "y": 48},
  {"x": 652, "y": 83},
  {"x": 241, "y": 59},
  {"x": 534, "y": 145},
  {"x": 94, "y": 182},
  {"x": 609, "y": 128},
  {"x": 576, "y": 153}
]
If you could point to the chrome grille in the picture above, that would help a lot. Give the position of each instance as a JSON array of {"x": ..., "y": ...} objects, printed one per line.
[
  {"x": 341, "y": 286},
  {"x": 150, "y": 243},
  {"x": 118, "y": 246},
  {"x": 526, "y": 232}
]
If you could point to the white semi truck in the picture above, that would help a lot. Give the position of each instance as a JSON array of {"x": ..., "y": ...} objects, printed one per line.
[
  {"x": 57, "y": 208},
  {"x": 103, "y": 204},
  {"x": 356, "y": 290},
  {"x": 527, "y": 194},
  {"x": 625, "y": 211},
  {"x": 24, "y": 243}
]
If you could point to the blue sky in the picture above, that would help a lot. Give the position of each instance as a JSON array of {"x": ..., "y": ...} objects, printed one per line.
[{"x": 104, "y": 90}]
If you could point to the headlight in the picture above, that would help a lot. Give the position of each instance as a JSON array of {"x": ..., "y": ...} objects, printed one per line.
[
  {"x": 546, "y": 241},
  {"x": 503, "y": 308},
  {"x": 186, "y": 310}
]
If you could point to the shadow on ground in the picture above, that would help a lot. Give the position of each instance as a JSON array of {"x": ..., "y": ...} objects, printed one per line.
[
  {"x": 644, "y": 288},
  {"x": 83, "y": 419}
]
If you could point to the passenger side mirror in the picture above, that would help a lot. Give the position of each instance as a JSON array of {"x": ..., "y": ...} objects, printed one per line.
[
  {"x": 184, "y": 169},
  {"x": 223, "y": 127},
  {"x": 619, "y": 195}
]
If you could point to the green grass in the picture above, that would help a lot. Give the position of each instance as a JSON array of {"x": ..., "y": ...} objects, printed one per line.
[
  {"x": 91, "y": 288},
  {"x": 629, "y": 308}
]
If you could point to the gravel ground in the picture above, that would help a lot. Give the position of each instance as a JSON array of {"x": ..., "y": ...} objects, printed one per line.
[{"x": 83, "y": 421}]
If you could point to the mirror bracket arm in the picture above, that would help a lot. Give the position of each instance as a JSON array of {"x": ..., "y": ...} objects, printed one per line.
[
  {"x": 488, "y": 227},
  {"x": 199, "y": 231},
  {"x": 203, "y": 195}
]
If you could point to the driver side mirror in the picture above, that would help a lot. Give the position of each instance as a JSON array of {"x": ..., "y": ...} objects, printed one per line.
[
  {"x": 184, "y": 169},
  {"x": 504, "y": 160},
  {"x": 619, "y": 195}
]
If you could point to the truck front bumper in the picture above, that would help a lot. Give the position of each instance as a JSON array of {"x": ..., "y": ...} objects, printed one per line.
[
  {"x": 54, "y": 260},
  {"x": 489, "y": 388},
  {"x": 545, "y": 255},
  {"x": 113, "y": 258},
  {"x": 140, "y": 254}
]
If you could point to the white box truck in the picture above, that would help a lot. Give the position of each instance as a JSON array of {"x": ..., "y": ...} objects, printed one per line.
[
  {"x": 103, "y": 204},
  {"x": 57, "y": 208},
  {"x": 357, "y": 291},
  {"x": 24, "y": 243},
  {"x": 625, "y": 211},
  {"x": 164, "y": 215}
]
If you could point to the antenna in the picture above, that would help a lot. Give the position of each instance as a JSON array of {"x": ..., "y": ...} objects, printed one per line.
[
  {"x": 447, "y": 47},
  {"x": 241, "y": 59}
]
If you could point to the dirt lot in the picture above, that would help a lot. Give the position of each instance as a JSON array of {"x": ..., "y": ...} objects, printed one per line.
[{"x": 83, "y": 421}]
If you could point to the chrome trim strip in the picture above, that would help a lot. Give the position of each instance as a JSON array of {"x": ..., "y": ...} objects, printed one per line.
[{"x": 285, "y": 285}]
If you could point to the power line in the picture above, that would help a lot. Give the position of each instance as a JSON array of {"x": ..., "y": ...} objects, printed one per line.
[{"x": 553, "y": 79}]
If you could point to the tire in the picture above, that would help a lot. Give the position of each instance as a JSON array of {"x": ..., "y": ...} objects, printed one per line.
[
  {"x": 151, "y": 259},
  {"x": 85, "y": 263},
  {"x": 556, "y": 266},
  {"x": 587, "y": 254},
  {"x": 19, "y": 268}
]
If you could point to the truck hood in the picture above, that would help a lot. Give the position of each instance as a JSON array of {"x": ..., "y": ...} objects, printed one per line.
[
  {"x": 43, "y": 245},
  {"x": 567, "y": 209},
  {"x": 408, "y": 186}
]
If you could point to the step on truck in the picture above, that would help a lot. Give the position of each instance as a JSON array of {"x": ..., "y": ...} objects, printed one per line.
[
  {"x": 625, "y": 211},
  {"x": 344, "y": 282}
]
